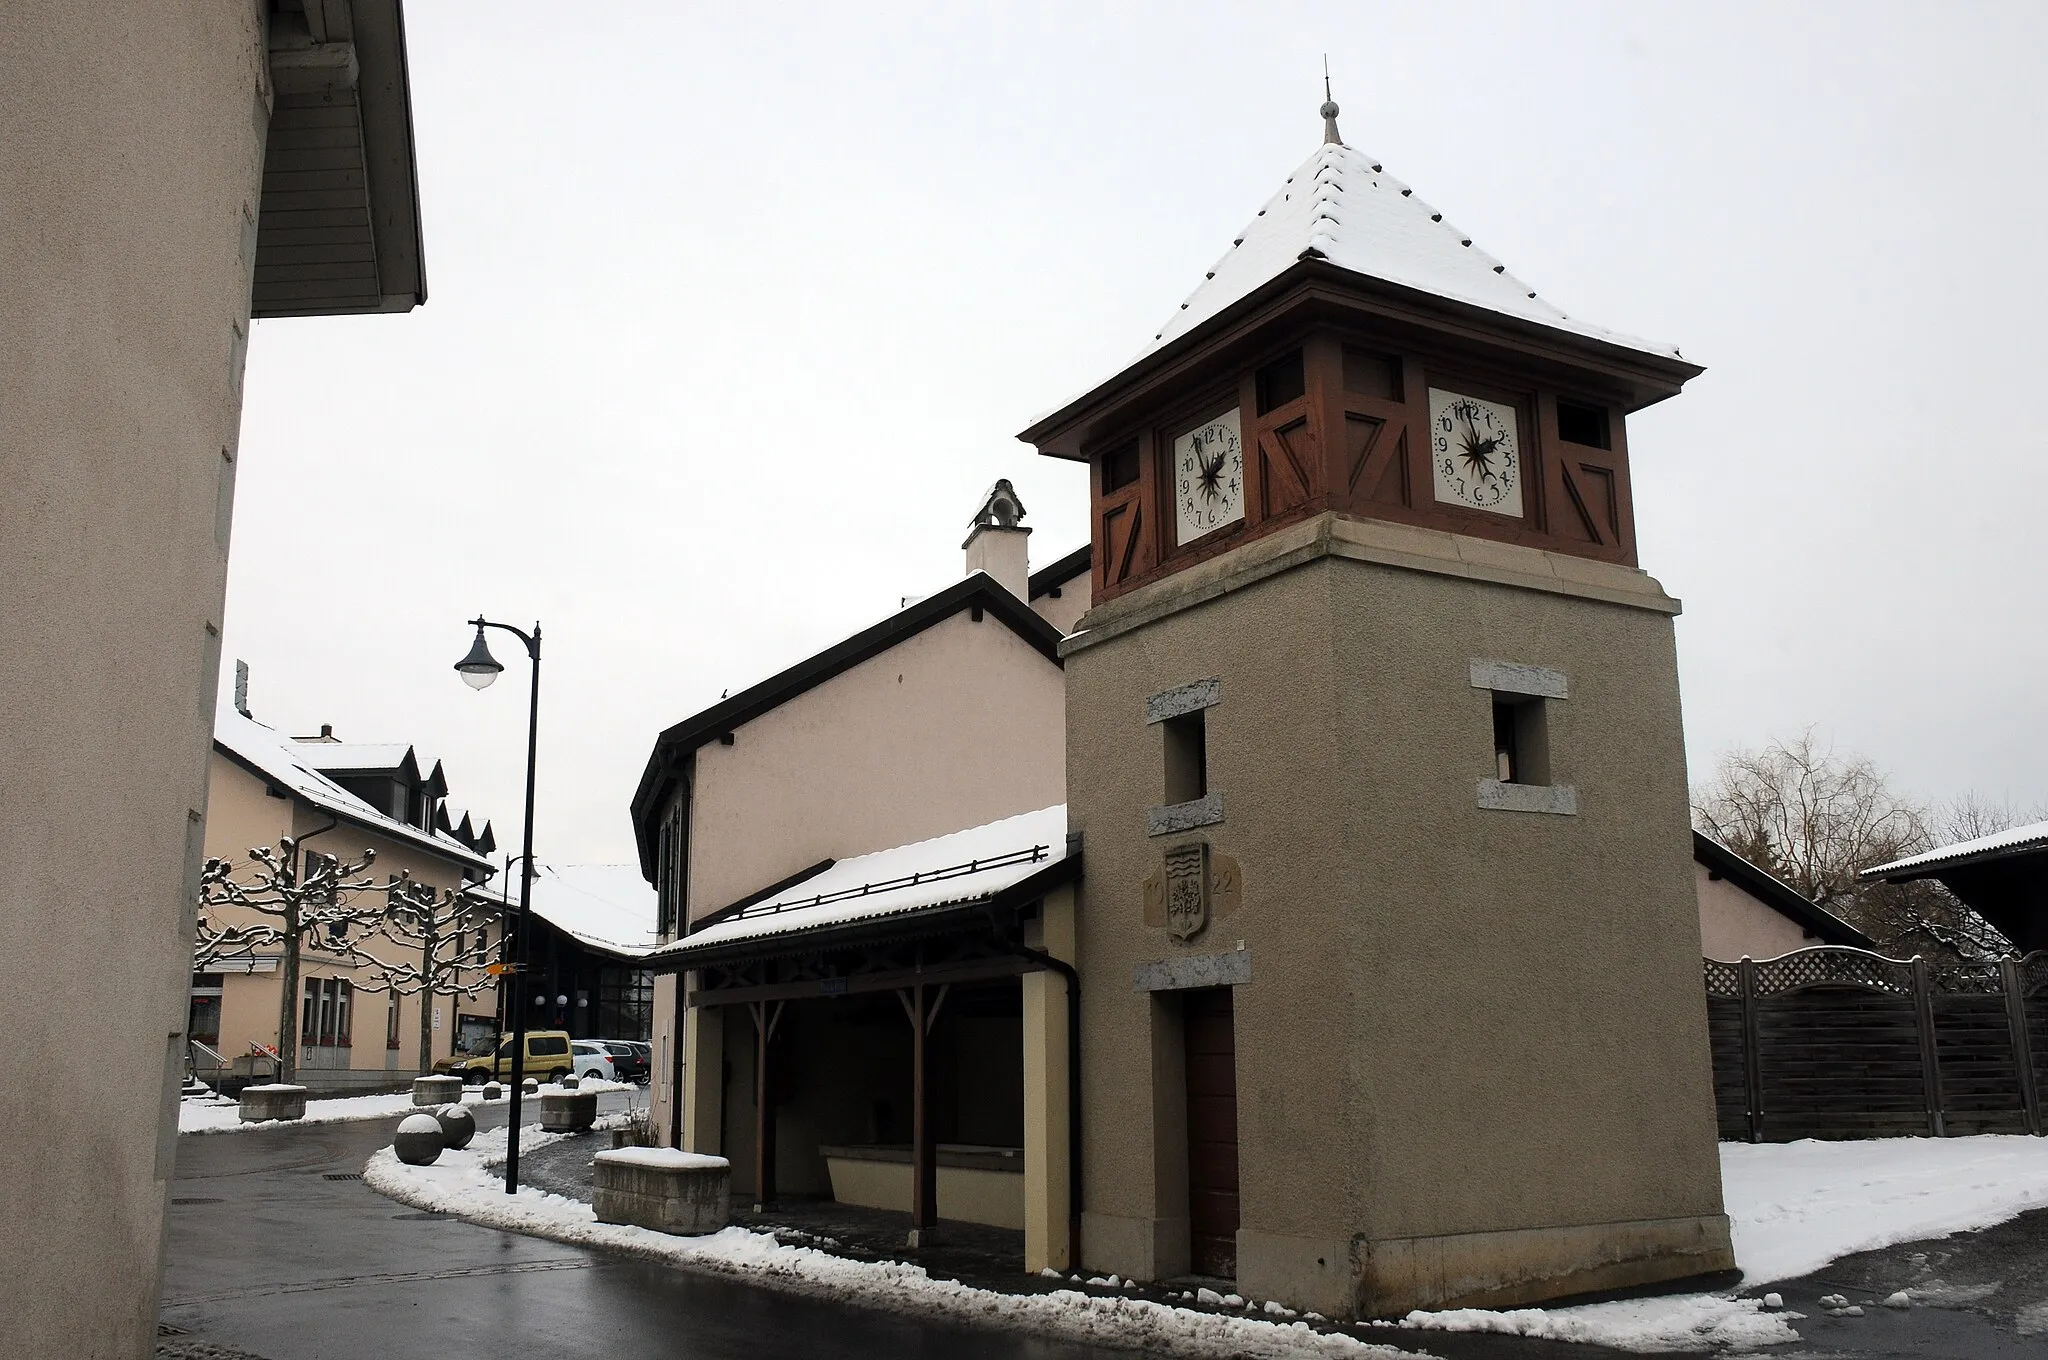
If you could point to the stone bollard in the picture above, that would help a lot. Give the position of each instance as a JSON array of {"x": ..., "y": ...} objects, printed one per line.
[
  {"x": 571, "y": 1082},
  {"x": 458, "y": 1125},
  {"x": 567, "y": 1111},
  {"x": 492, "y": 1090},
  {"x": 663, "y": 1189},
  {"x": 274, "y": 1101},
  {"x": 418, "y": 1140},
  {"x": 531, "y": 1086},
  {"x": 434, "y": 1092}
]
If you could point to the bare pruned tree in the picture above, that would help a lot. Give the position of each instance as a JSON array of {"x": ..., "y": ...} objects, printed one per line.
[
  {"x": 432, "y": 928},
  {"x": 292, "y": 900},
  {"x": 1817, "y": 818}
]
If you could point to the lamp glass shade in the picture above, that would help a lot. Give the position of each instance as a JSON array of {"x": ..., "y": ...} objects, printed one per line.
[{"x": 479, "y": 668}]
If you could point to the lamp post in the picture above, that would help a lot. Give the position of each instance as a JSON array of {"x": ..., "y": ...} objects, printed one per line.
[{"x": 478, "y": 670}]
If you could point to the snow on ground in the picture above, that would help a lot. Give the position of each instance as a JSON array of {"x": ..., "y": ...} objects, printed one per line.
[
  {"x": 1797, "y": 1206},
  {"x": 1793, "y": 1208},
  {"x": 462, "y": 1183},
  {"x": 220, "y": 1114}
]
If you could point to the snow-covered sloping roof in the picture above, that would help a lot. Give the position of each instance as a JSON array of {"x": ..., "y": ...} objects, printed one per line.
[
  {"x": 346, "y": 756},
  {"x": 280, "y": 760},
  {"x": 607, "y": 906},
  {"x": 2032, "y": 836},
  {"x": 1343, "y": 207},
  {"x": 963, "y": 866}
]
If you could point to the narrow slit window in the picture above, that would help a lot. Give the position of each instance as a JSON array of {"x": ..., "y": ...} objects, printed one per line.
[
  {"x": 1521, "y": 740},
  {"x": 1187, "y": 757},
  {"x": 1120, "y": 467},
  {"x": 1281, "y": 381},
  {"x": 1579, "y": 424}
]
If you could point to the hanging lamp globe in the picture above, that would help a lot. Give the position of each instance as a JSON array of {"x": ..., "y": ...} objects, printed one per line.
[{"x": 479, "y": 668}]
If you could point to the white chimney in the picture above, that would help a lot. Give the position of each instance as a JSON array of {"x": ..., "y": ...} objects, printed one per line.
[{"x": 998, "y": 542}]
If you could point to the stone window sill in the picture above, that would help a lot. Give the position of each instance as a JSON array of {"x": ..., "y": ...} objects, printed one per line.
[
  {"x": 1560, "y": 800},
  {"x": 1178, "y": 817}
]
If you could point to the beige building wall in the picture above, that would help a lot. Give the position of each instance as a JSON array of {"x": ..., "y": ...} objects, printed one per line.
[
  {"x": 129, "y": 182},
  {"x": 957, "y": 726},
  {"x": 242, "y": 815},
  {"x": 1471, "y": 1056},
  {"x": 1064, "y": 610},
  {"x": 1735, "y": 925}
]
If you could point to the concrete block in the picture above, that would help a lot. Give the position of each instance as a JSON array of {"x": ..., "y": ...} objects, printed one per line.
[
  {"x": 433, "y": 1092},
  {"x": 663, "y": 1189},
  {"x": 567, "y": 1111},
  {"x": 273, "y": 1101}
]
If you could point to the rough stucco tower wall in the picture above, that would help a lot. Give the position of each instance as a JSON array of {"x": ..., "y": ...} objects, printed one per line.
[
  {"x": 1471, "y": 1057},
  {"x": 129, "y": 181}
]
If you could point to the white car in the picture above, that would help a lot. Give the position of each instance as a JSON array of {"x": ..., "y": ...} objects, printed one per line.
[{"x": 592, "y": 1060}]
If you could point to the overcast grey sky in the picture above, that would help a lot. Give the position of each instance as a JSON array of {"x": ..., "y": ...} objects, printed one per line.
[{"x": 735, "y": 310}]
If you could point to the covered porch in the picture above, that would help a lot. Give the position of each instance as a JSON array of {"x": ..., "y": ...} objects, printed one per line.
[{"x": 894, "y": 1034}]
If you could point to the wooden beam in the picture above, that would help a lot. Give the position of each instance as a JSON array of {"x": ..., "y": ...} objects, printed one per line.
[
  {"x": 767, "y": 1016},
  {"x": 924, "y": 1160},
  {"x": 895, "y": 980}
]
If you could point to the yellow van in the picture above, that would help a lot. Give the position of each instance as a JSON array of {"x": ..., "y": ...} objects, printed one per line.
[{"x": 547, "y": 1057}]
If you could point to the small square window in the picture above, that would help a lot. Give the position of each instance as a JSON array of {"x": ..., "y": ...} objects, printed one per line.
[
  {"x": 1521, "y": 739},
  {"x": 1187, "y": 757},
  {"x": 1120, "y": 467},
  {"x": 1579, "y": 424},
  {"x": 1281, "y": 381}
]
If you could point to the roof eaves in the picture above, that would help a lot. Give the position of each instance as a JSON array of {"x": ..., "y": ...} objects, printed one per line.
[
  {"x": 814, "y": 670},
  {"x": 910, "y": 923},
  {"x": 1056, "y": 574},
  {"x": 382, "y": 826}
]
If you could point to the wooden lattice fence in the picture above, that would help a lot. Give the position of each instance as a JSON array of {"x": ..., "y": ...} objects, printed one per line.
[{"x": 1842, "y": 1043}]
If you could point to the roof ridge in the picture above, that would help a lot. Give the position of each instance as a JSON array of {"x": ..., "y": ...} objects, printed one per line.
[{"x": 1340, "y": 205}]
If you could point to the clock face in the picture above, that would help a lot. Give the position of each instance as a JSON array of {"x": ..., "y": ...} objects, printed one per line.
[
  {"x": 1474, "y": 456},
  {"x": 1208, "y": 478}
]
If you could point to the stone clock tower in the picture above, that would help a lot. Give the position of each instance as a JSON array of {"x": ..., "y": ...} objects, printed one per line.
[{"x": 1390, "y": 954}]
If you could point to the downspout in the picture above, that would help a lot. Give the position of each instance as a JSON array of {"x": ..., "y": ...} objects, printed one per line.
[{"x": 1073, "y": 980}]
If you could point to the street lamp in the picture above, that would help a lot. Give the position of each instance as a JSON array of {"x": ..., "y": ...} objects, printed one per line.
[{"x": 478, "y": 670}]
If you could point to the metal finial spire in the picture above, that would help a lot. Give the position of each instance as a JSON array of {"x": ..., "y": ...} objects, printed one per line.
[{"x": 1329, "y": 109}]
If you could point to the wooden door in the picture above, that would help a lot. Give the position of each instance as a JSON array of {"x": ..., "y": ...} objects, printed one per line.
[{"x": 1212, "y": 1130}]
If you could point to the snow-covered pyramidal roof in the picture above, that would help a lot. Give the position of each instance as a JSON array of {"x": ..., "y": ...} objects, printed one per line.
[{"x": 1343, "y": 207}]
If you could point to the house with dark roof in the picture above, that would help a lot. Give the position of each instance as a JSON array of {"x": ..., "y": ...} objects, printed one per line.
[
  {"x": 1747, "y": 912},
  {"x": 342, "y": 798}
]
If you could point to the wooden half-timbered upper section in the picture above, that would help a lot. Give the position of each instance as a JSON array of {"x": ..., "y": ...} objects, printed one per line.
[{"x": 1355, "y": 354}]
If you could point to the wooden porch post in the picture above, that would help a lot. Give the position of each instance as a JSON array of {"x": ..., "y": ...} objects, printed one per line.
[
  {"x": 767, "y": 1015},
  {"x": 921, "y": 1005}
]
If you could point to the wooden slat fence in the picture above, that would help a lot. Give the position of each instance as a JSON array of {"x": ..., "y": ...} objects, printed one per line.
[{"x": 1842, "y": 1043}]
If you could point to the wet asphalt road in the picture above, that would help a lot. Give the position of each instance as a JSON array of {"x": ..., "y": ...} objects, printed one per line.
[{"x": 270, "y": 1258}]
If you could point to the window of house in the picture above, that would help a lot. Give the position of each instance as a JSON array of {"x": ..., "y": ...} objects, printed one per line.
[
  {"x": 1187, "y": 757},
  {"x": 324, "y": 1012},
  {"x": 203, "y": 1022},
  {"x": 391, "y": 1023},
  {"x": 1521, "y": 739},
  {"x": 483, "y": 945}
]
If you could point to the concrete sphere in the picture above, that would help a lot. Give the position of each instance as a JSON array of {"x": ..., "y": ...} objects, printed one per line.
[
  {"x": 418, "y": 1141},
  {"x": 571, "y": 1082},
  {"x": 492, "y": 1090},
  {"x": 458, "y": 1125},
  {"x": 531, "y": 1085}
]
